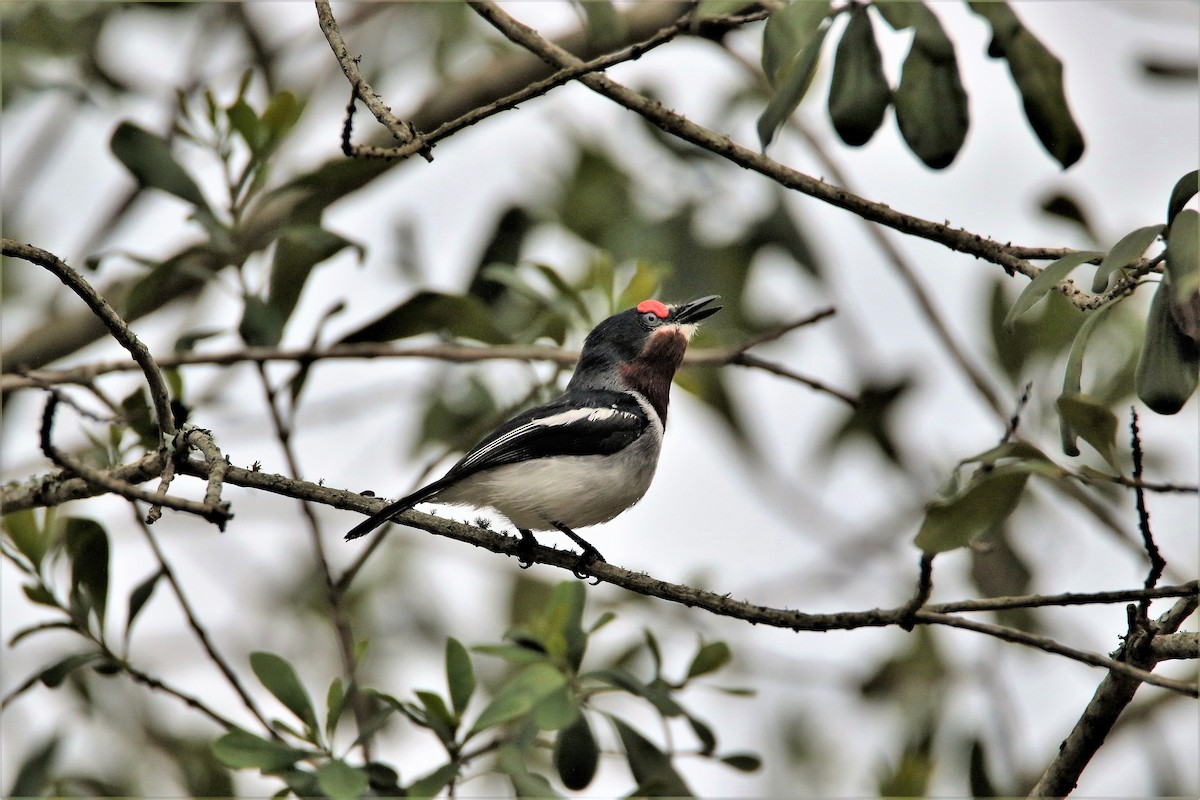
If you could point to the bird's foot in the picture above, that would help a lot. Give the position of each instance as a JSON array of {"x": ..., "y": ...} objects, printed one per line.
[
  {"x": 524, "y": 549},
  {"x": 589, "y": 556}
]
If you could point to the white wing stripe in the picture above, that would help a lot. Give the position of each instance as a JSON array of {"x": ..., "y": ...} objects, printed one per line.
[{"x": 557, "y": 420}]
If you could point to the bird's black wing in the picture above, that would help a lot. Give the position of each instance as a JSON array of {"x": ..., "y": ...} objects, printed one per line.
[
  {"x": 606, "y": 423},
  {"x": 596, "y": 423}
]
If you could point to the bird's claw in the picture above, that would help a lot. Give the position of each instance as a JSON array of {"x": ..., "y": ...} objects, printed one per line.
[
  {"x": 586, "y": 559},
  {"x": 524, "y": 551}
]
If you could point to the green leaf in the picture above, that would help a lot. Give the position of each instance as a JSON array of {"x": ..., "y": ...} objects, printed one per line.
[
  {"x": 434, "y": 782},
  {"x": 1045, "y": 281},
  {"x": 1125, "y": 252},
  {"x": 743, "y": 762},
  {"x": 340, "y": 781},
  {"x": 241, "y": 749},
  {"x": 1073, "y": 374},
  {"x": 605, "y": 27},
  {"x": 1183, "y": 191},
  {"x": 709, "y": 658},
  {"x": 707, "y": 9},
  {"x": 656, "y": 691},
  {"x": 278, "y": 676},
  {"x": 261, "y": 325},
  {"x": 243, "y": 120},
  {"x": 432, "y": 312},
  {"x": 1183, "y": 255},
  {"x": 514, "y": 654},
  {"x": 39, "y": 594},
  {"x": 53, "y": 675},
  {"x": 23, "y": 530},
  {"x": 279, "y": 117},
  {"x": 643, "y": 284},
  {"x": 149, "y": 158},
  {"x": 1167, "y": 368},
  {"x": 651, "y": 767},
  {"x": 519, "y": 696},
  {"x": 138, "y": 597},
  {"x": 931, "y": 107},
  {"x": 335, "y": 704},
  {"x": 989, "y": 499},
  {"x": 137, "y": 413},
  {"x": 1038, "y": 76},
  {"x": 791, "y": 50},
  {"x": 576, "y": 754},
  {"x": 1093, "y": 421},
  {"x": 437, "y": 716},
  {"x": 929, "y": 35},
  {"x": 87, "y": 547},
  {"x": 708, "y": 739},
  {"x": 460, "y": 675},
  {"x": 299, "y": 249},
  {"x": 859, "y": 94},
  {"x": 510, "y": 761}
]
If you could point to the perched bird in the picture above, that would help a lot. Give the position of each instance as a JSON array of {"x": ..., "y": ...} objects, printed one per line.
[{"x": 589, "y": 454}]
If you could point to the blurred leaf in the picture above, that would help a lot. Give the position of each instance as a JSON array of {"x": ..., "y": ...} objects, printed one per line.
[
  {"x": 87, "y": 547},
  {"x": 704, "y": 734},
  {"x": 651, "y": 768},
  {"x": 707, "y": 9},
  {"x": 335, "y": 704},
  {"x": 1073, "y": 374},
  {"x": 437, "y": 716},
  {"x": 149, "y": 158},
  {"x": 279, "y": 117},
  {"x": 576, "y": 754},
  {"x": 605, "y": 27},
  {"x": 859, "y": 94},
  {"x": 1093, "y": 421},
  {"x": 910, "y": 777},
  {"x": 709, "y": 658},
  {"x": 1167, "y": 368},
  {"x": 138, "y": 597},
  {"x": 175, "y": 277},
  {"x": 997, "y": 570},
  {"x": 931, "y": 107},
  {"x": 657, "y": 691},
  {"x": 510, "y": 761},
  {"x": 261, "y": 325},
  {"x": 22, "y": 529},
  {"x": 1045, "y": 281},
  {"x": 241, "y": 749},
  {"x": 518, "y": 697},
  {"x": 384, "y": 780},
  {"x": 340, "y": 781},
  {"x": 988, "y": 500},
  {"x": 279, "y": 678},
  {"x": 743, "y": 762},
  {"x": 135, "y": 409},
  {"x": 243, "y": 120},
  {"x": 504, "y": 247},
  {"x": 53, "y": 675},
  {"x": 1038, "y": 76},
  {"x": 1125, "y": 252},
  {"x": 643, "y": 285},
  {"x": 1183, "y": 256},
  {"x": 299, "y": 249},
  {"x": 431, "y": 312},
  {"x": 34, "y": 775},
  {"x": 928, "y": 32},
  {"x": 1062, "y": 205},
  {"x": 872, "y": 420},
  {"x": 1184, "y": 190},
  {"x": 460, "y": 675},
  {"x": 434, "y": 782},
  {"x": 792, "y": 43}
]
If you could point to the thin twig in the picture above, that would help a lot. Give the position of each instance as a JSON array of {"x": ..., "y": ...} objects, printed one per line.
[
  {"x": 160, "y": 395},
  {"x": 202, "y": 634},
  {"x": 1065, "y": 599},
  {"x": 924, "y": 589},
  {"x": 1157, "y": 562},
  {"x": 751, "y": 360}
]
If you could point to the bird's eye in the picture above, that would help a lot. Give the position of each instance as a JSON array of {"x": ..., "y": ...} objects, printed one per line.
[{"x": 651, "y": 319}]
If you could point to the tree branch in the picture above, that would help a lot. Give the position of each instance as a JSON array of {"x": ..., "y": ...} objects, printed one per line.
[
  {"x": 1112, "y": 696},
  {"x": 160, "y": 395},
  {"x": 1010, "y": 258}
]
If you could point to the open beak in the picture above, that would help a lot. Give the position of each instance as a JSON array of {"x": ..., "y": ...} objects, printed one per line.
[{"x": 693, "y": 311}]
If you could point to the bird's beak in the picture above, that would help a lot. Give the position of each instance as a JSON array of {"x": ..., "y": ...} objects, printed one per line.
[{"x": 693, "y": 311}]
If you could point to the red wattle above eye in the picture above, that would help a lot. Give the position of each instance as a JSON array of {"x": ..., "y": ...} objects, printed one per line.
[{"x": 654, "y": 306}]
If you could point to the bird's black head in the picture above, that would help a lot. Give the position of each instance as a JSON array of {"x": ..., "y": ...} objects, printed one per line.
[{"x": 640, "y": 345}]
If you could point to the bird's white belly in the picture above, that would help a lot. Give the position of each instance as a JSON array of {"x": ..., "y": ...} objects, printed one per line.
[{"x": 576, "y": 491}]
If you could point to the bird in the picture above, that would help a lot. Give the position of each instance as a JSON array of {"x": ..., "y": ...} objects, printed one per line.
[{"x": 590, "y": 453}]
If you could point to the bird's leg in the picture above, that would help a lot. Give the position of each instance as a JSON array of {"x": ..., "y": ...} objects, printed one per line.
[
  {"x": 525, "y": 548},
  {"x": 588, "y": 555}
]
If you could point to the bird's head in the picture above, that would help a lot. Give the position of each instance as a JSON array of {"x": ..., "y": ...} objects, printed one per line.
[{"x": 641, "y": 344}]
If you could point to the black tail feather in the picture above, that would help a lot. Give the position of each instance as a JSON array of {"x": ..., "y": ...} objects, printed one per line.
[{"x": 384, "y": 514}]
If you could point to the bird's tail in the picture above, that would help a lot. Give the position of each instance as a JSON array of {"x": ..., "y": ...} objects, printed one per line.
[{"x": 392, "y": 509}]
